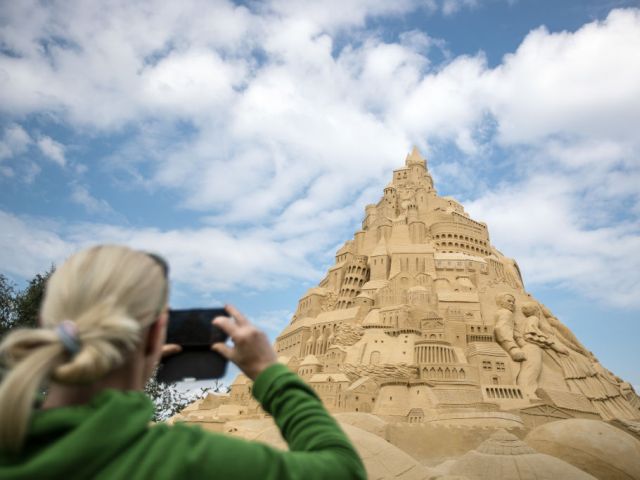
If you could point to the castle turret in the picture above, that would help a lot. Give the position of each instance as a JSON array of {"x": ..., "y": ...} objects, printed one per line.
[
  {"x": 379, "y": 261},
  {"x": 412, "y": 212},
  {"x": 417, "y": 228},
  {"x": 414, "y": 159},
  {"x": 356, "y": 275},
  {"x": 417, "y": 169},
  {"x": 384, "y": 229},
  {"x": 371, "y": 212}
]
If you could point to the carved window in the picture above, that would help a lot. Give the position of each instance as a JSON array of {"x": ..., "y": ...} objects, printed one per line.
[
  {"x": 486, "y": 365},
  {"x": 500, "y": 366}
]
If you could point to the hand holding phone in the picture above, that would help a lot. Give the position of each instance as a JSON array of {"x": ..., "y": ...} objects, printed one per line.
[
  {"x": 187, "y": 353},
  {"x": 169, "y": 349},
  {"x": 252, "y": 351}
]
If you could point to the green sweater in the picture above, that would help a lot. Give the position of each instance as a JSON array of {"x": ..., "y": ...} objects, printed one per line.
[{"x": 111, "y": 438}]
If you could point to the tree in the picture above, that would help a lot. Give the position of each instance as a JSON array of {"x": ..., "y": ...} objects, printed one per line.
[
  {"x": 7, "y": 305},
  {"x": 169, "y": 400},
  {"x": 27, "y": 305}
]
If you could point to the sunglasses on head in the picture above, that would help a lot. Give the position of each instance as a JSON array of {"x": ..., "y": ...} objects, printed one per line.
[{"x": 161, "y": 262}]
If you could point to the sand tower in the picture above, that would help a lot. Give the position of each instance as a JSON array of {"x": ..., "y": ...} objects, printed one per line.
[{"x": 421, "y": 321}]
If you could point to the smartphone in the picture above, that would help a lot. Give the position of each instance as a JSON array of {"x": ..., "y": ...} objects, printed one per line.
[{"x": 193, "y": 331}]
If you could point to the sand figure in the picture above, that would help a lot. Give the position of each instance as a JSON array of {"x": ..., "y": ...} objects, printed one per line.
[
  {"x": 505, "y": 325},
  {"x": 533, "y": 335}
]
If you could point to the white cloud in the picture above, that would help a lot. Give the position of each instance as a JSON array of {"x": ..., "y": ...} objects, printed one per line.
[
  {"x": 450, "y": 7},
  {"x": 536, "y": 222},
  {"x": 273, "y": 321},
  {"x": 97, "y": 67},
  {"x": 583, "y": 83},
  {"x": 447, "y": 104},
  {"x": 29, "y": 247},
  {"x": 206, "y": 259},
  {"x": 80, "y": 195},
  {"x": 296, "y": 113},
  {"x": 190, "y": 83},
  {"x": 15, "y": 140},
  {"x": 52, "y": 150},
  {"x": 334, "y": 14}
]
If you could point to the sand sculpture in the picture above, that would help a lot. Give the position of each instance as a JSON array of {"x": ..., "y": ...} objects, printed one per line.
[
  {"x": 593, "y": 446},
  {"x": 503, "y": 455},
  {"x": 422, "y": 321}
]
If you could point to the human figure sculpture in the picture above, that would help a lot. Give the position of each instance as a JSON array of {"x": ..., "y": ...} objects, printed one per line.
[
  {"x": 504, "y": 328},
  {"x": 539, "y": 333},
  {"x": 533, "y": 334}
]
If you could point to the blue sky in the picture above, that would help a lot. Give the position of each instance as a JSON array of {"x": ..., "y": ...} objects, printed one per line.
[{"x": 242, "y": 141}]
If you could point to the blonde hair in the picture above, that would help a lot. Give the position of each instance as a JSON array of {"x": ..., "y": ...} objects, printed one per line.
[{"x": 111, "y": 293}]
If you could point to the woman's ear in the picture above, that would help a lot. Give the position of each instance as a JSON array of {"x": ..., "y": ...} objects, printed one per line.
[
  {"x": 156, "y": 335},
  {"x": 154, "y": 340}
]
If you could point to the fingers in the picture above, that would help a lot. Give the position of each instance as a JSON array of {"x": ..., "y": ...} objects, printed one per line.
[
  {"x": 223, "y": 349},
  {"x": 235, "y": 313},
  {"x": 227, "y": 325},
  {"x": 170, "y": 349}
]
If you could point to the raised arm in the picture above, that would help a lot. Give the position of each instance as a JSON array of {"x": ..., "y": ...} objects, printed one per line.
[{"x": 318, "y": 448}]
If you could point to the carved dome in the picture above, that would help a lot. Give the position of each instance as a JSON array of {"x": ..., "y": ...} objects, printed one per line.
[
  {"x": 504, "y": 455},
  {"x": 593, "y": 446},
  {"x": 504, "y": 443},
  {"x": 310, "y": 360}
]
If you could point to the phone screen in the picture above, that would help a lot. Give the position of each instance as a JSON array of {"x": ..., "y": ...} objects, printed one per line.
[{"x": 193, "y": 331}]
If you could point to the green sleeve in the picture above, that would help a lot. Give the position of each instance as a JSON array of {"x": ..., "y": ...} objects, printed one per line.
[{"x": 318, "y": 448}]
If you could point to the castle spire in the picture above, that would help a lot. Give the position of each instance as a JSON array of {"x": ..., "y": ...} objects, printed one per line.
[{"x": 415, "y": 158}]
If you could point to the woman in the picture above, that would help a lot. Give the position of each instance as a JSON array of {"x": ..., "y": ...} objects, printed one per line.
[{"x": 103, "y": 323}]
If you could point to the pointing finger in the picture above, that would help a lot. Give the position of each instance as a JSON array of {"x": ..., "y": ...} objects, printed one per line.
[{"x": 235, "y": 313}]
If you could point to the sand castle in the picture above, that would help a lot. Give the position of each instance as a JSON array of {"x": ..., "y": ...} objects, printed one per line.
[{"x": 422, "y": 321}]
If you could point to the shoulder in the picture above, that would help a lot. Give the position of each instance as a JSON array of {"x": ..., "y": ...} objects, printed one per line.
[{"x": 192, "y": 452}]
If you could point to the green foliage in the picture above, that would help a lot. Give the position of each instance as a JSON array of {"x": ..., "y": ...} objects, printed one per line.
[
  {"x": 20, "y": 309},
  {"x": 7, "y": 305},
  {"x": 28, "y": 301},
  {"x": 169, "y": 400}
]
